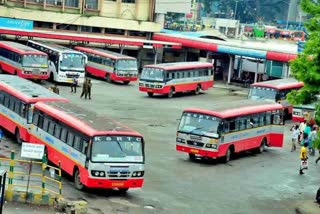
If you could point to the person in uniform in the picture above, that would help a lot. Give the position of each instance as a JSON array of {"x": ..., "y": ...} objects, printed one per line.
[
  {"x": 84, "y": 89},
  {"x": 89, "y": 84}
]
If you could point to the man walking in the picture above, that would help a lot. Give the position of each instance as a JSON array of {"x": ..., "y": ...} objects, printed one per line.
[
  {"x": 84, "y": 89},
  {"x": 74, "y": 85},
  {"x": 303, "y": 158},
  {"x": 89, "y": 88}
]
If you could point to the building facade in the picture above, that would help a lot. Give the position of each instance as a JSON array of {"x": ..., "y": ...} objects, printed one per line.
[{"x": 116, "y": 17}]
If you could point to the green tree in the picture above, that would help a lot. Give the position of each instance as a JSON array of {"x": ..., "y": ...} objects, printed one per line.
[{"x": 306, "y": 67}]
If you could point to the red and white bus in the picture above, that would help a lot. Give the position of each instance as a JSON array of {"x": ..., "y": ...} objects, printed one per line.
[
  {"x": 170, "y": 78},
  {"x": 230, "y": 128},
  {"x": 23, "y": 61},
  {"x": 110, "y": 65},
  {"x": 17, "y": 98},
  {"x": 302, "y": 113},
  {"x": 276, "y": 91},
  {"x": 97, "y": 151}
]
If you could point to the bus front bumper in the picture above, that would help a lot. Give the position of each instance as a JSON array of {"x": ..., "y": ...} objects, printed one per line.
[
  {"x": 153, "y": 90},
  {"x": 200, "y": 152},
  {"x": 107, "y": 183}
]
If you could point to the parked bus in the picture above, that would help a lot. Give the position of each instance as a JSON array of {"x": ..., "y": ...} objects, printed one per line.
[
  {"x": 170, "y": 78},
  {"x": 64, "y": 63},
  {"x": 110, "y": 65},
  {"x": 276, "y": 91},
  {"x": 23, "y": 61},
  {"x": 17, "y": 98},
  {"x": 229, "y": 129},
  {"x": 97, "y": 151},
  {"x": 304, "y": 112}
]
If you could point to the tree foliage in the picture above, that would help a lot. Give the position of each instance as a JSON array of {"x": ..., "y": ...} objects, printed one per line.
[{"x": 306, "y": 67}]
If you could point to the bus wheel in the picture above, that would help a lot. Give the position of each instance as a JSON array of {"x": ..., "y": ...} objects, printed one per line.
[
  {"x": 262, "y": 146},
  {"x": 18, "y": 138},
  {"x": 77, "y": 181},
  {"x": 108, "y": 78},
  {"x": 228, "y": 156},
  {"x": 197, "y": 91},
  {"x": 192, "y": 156},
  {"x": 126, "y": 82},
  {"x": 150, "y": 94},
  {"x": 123, "y": 190},
  {"x": 171, "y": 92}
]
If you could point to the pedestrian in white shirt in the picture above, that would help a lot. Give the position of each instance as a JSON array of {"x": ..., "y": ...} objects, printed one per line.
[
  {"x": 295, "y": 137},
  {"x": 302, "y": 127}
]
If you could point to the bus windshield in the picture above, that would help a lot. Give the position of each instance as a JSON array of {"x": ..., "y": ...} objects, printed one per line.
[
  {"x": 117, "y": 149},
  {"x": 72, "y": 61},
  {"x": 32, "y": 60},
  {"x": 154, "y": 74},
  {"x": 127, "y": 64},
  {"x": 201, "y": 124},
  {"x": 262, "y": 93}
]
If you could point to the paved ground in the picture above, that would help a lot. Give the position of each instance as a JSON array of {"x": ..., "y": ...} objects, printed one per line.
[{"x": 266, "y": 183}]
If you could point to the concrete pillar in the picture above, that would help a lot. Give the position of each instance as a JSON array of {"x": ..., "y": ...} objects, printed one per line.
[
  {"x": 230, "y": 68},
  {"x": 256, "y": 73},
  {"x": 54, "y": 26},
  {"x": 160, "y": 18}
]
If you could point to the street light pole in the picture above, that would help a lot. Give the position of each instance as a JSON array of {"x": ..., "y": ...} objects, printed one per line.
[{"x": 235, "y": 10}]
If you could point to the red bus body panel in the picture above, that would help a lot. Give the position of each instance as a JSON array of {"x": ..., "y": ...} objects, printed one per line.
[{"x": 102, "y": 73}]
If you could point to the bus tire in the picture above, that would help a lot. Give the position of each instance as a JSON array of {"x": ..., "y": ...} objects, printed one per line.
[
  {"x": 126, "y": 82},
  {"x": 150, "y": 94},
  {"x": 171, "y": 92},
  {"x": 18, "y": 137},
  {"x": 197, "y": 91},
  {"x": 108, "y": 79},
  {"x": 192, "y": 156},
  {"x": 51, "y": 78},
  {"x": 77, "y": 181},
  {"x": 123, "y": 190},
  {"x": 262, "y": 146},
  {"x": 228, "y": 155}
]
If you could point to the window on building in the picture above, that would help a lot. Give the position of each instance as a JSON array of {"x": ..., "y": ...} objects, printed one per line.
[
  {"x": 128, "y": 1},
  {"x": 92, "y": 4}
]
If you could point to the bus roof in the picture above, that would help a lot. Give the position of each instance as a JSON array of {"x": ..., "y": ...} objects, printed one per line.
[
  {"x": 19, "y": 48},
  {"x": 54, "y": 47},
  {"x": 238, "y": 108},
  {"x": 280, "y": 84},
  {"x": 180, "y": 65},
  {"x": 87, "y": 122},
  {"x": 101, "y": 52},
  {"x": 311, "y": 106},
  {"x": 26, "y": 90}
]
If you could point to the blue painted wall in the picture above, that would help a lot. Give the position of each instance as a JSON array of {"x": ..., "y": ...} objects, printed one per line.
[{"x": 16, "y": 23}]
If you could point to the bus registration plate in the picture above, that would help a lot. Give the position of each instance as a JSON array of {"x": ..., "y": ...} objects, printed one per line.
[
  {"x": 194, "y": 151},
  {"x": 117, "y": 184}
]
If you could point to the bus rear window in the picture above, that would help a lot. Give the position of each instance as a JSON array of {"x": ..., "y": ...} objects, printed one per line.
[{"x": 35, "y": 61}]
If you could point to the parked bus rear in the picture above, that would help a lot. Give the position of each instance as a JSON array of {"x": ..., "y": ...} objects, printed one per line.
[
  {"x": 301, "y": 113},
  {"x": 23, "y": 61},
  {"x": 97, "y": 151},
  {"x": 276, "y": 91},
  {"x": 110, "y": 65},
  {"x": 171, "y": 78},
  {"x": 17, "y": 98},
  {"x": 229, "y": 129}
]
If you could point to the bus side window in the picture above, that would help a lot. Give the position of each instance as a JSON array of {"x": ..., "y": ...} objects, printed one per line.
[
  {"x": 233, "y": 126},
  {"x": 276, "y": 119},
  {"x": 63, "y": 136},
  {"x": 84, "y": 146},
  {"x": 262, "y": 119},
  {"x": 70, "y": 138},
  {"x": 45, "y": 124},
  {"x": 40, "y": 122},
  {"x": 57, "y": 131},
  {"x": 17, "y": 107},
  {"x": 35, "y": 119},
  {"x": 226, "y": 127},
  {"x": 1, "y": 97},
  {"x": 242, "y": 124},
  {"x": 268, "y": 118},
  {"x": 51, "y": 127},
  {"x": 77, "y": 143},
  {"x": 23, "y": 110},
  {"x": 12, "y": 102}
]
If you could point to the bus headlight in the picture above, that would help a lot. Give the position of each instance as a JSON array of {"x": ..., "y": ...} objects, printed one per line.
[
  {"x": 138, "y": 174},
  {"x": 141, "y": 84},
  {"x": 180, "y": 140},
  {"x": 212, "y": 146},
  {"x": 158, "y": 86},
  {"x": 97, "y": 173}
]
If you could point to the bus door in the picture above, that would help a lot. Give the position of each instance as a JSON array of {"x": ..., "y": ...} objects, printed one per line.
[{"x": 277, "y": 129}]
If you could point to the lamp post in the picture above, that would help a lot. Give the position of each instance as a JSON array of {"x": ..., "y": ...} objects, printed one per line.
[{"x": 235, "y": 10}]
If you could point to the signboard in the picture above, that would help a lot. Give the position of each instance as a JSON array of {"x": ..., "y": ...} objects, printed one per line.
[
  {"x": 16, "y": 23},
  {"x": 177, "y": 6},
  {"x": 31, "y": 150}
]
